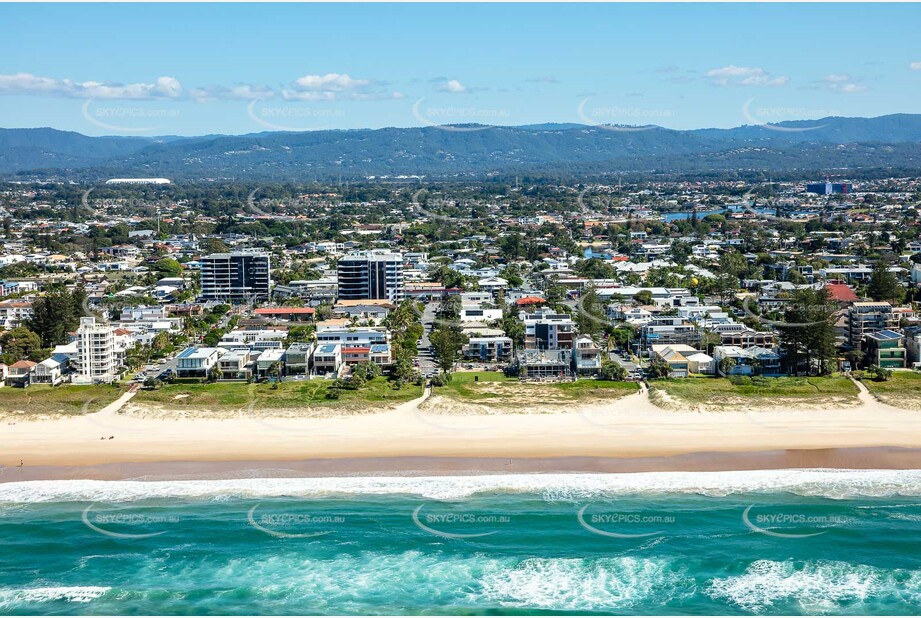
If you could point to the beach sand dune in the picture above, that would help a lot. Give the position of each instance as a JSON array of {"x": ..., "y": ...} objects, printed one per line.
[{"x": 626, "y": 427}]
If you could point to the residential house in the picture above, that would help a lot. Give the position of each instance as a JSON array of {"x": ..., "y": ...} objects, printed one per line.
[
  {"x": 675, "y": 356},
  {"x": 197, "y": 362},
  {"x": 327, "y": 358},
  {"x": 886, "y": 349},
  {"x": 586, "y": 356},
  {"x": 298, "y": 357}
]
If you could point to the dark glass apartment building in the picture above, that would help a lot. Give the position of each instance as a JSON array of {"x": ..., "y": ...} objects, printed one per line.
[
  {"x": 371, "y": 275},
  {"x": 236, "y": 277}
]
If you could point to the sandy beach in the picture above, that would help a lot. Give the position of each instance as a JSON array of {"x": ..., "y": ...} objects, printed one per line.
[{"x": 416, "y": 434}]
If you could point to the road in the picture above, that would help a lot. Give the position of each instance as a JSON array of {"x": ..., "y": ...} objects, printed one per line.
[{"x": 425, "y": 358}]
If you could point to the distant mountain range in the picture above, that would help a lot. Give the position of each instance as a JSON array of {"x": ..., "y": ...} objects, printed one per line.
[{"x": 833, "y": 145}]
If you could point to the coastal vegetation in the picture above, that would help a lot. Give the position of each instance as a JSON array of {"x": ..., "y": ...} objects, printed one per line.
[
  {"x": 286, "y": 395},
  {"x": 902, "y": 389},
  {"x": 495, "y": 389},
  {"x": 69, "y": 399},
  {"x": 725, "y": 393}
]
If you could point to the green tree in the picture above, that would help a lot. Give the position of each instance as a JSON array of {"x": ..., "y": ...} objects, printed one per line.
[
  {"x": 590, "y": 318},
  {"x": 808, "y": 337},
  {"x": 884, "y": 285},
  {"x": 168, "y": 267},
  {"x": 731, "y": 266},
  {"x": 612, "y": 371},
  {"x": 513, "y": 326},
  {"x": 20, "y": 343},
  {"x": 657, "y": 369},
  {"x": 447, "y": 342},
  {"x": 53, "y": 316}
]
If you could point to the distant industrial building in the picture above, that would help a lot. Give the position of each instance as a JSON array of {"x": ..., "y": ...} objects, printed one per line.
[
  {"x": 236, "y": 277},
  {"x": 372, "y": 274},
  {"x": 138, "y": 181},
  {"x": 829, "y": 188}
]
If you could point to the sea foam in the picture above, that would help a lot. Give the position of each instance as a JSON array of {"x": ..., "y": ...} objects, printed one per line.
[
  {"x": 835, "y": 484},
  {"x": 819, "y": 587},
  {"x": 70, "y": 594}
]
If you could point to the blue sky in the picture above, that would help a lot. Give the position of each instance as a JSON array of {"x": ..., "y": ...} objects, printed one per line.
[{"x": 184, "y": 69}]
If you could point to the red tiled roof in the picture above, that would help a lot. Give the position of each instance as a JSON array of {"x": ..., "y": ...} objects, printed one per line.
[
  {"x": 356, "y": 350},
  {"x": 841, "y": 293},
  {"x": 530, "y": 300},
  {"x": 285, "y": 310}
]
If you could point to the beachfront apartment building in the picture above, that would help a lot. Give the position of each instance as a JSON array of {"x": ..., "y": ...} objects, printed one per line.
[
  {"x": 236, "y": 277},
  {"x": 490, "y": 349},
  {"x": 546, "y": 330},
  {"x": 98, "y": 353},
  {"x": 375, "y": 274},
  {"x": 742, "y": 336},
  {"x": 13, "y": 312},
  {"x": 868, "y": 317},
  {"x": 668, "y": 331}
]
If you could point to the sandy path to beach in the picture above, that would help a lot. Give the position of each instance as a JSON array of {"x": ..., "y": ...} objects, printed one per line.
[{"x": 627, "y": 427}]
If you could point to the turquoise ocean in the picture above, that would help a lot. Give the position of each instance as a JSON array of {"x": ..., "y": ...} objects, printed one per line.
[{"x": 764, "y": 542}]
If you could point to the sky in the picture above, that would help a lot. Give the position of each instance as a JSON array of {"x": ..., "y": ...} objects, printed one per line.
[{"x": 195, "y": 69}]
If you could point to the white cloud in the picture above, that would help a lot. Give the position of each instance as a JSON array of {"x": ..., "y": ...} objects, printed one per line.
[
  {"x": 28, "y": 84},
  {"x": 336, "y": 86},
  {"x": 244, "y": 92},
  {"x": 331, "y": 82},
  {"x": 915, "y": 66},
  {"x": 732, "y": 75},
  {"x": 842, "y": 82},
  {"x": 453, "y": 86},
  {"x": 329, "y": 87}
]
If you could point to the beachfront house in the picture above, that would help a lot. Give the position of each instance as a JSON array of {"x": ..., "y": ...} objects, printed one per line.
[
  {"x": 327, "y": 359},
  {"x": 297, "y": 358},
  {"x": 197, "y": 362},
  {"x": 885, "y": 348},
  {"x": 675, "y": 355},
  {"x": 50, "y": 371},
  {"x": 235, "y": 365},
  {"x": 19, "y": 373},
  {"x": 586, "y": 356}
]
